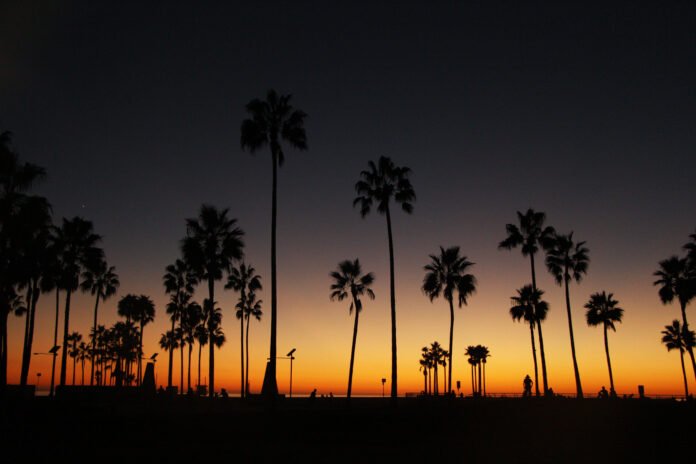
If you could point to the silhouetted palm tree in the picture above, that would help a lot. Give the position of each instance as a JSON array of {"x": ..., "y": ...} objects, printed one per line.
[
  {"x": 253, "y": 309},
  {"x": 381, "y": 183},
  {"x": 201, "y": 335},
  {"x": 271, "y": 122},
  {"x": 169, "y": 342},
  {"x": 602, "y": 309},
  {"x": 446, "y": 274},
  {"x": 78, "y": 246},
  {"x": 210, "y": 247},
  {"x": 191, "y": 319},
  {"x": 677, "y": 337},
  {"x": 529, "y": 235},
  {"x": 528, "y": 306},
  {"x": 243, "y": 280},
  {"x": 566, "y": 261},
  {"x": 424, "y": 367},
  {"x": 350, "y": 282},
  {"x": 179, "y": 282},
  {"x": 16, "y": 178},
  {"x": 83, "y": 353},
  {"x": 677, "y": 278},
  {"x": 72, "y": 348},
  {"x": 144, "y": 313},
  {"x": 436, "y": 355},
  {"x": 102, "y": 282}
]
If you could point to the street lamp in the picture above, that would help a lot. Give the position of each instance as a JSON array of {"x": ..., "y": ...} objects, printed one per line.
[
  {"x": 54, "y": 352},
  {"x": 292, "y": 358},
  {"x": 383, "y": 382},
  {"x": 38, "y": 380}
]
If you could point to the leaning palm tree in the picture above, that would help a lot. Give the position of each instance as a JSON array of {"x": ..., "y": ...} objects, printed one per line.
[
  {"x": 678, "y": 337},
  {"x": 350, "y": 282},
  {"x": 211, "y": 246},
  {"x": 528, "y": 306},
  {"x": 530, "y": 235},
  {"x": 677, "y": 278},
  {"x": 78, "y": 247},
  {"x": 445, "y": 275},
  {"x": 381, "y": 183},
  {"x": 243, "y": 280},
  {"x": 602, "y": 309},
  {"x": 271, "y": 122},
  {"x": 102, "y": 282},
  {"x": 566, "y": 261},
  {"x": 179, "y": 282}
]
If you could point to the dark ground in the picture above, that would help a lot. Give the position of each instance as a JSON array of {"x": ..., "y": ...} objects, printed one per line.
[{"x": 418, "y": 430}]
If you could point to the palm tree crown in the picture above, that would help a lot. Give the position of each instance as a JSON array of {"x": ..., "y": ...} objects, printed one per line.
[
  {"x": 382, "y": 182},
  {"x": 446, "y": 274},
  {"x": 530, "y": 234},
  {"x": 527, "y": 305},
  {"x": 349, "y": 282},
  {"x": 602, "y": 309},
  {"x": 567, "y": 259}
]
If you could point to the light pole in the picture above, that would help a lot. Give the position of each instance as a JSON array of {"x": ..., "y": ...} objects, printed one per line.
[
  {"x": 53, "y": 351},
  {"x": 292, "y": 358},
  {"x": 383, "y": 382},
  {"x": 38, "y": 380}
]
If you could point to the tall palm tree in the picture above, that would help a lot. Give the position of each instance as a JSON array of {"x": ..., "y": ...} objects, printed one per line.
[
  {"x": 179, "y": 282},
  {"x": 201, "y": 335},
  {"x": 144, "y": 314},
  {"x": 243, "y": 280},
  {"x": 350, "y": 282},
  {"x": 169, "y": 342},
  {"x": 78, "y": 246},
  {"x": 602, "y": 309},
  {"x": 530, "y": 235},
  {"x": 424, "y": 367},
  {"x": 16, "y": 179},
  {"x": 253, "y": 309},
  {"x": 381, "y": 183},
  {"x": 102, "y": 282},
  {"x": 211, "y": 246},
  {"x": 566, "y": 261},
  {"x": 527, "y": 305},
  {"x": 271, "y": 122},
  {"x": 677, "y": 278},
  {"x": 445, "y": 275},
  {"x": 678, "y": 337},
  {"x": 83, "y": 353}
]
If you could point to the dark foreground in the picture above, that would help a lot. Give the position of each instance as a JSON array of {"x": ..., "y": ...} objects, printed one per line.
[{"x": 326, "y": 430}]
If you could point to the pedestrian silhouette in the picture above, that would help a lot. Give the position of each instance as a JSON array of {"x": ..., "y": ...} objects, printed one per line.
[
  {"x": 603, "y": 394},
  {"x": 527, "y": 384}
]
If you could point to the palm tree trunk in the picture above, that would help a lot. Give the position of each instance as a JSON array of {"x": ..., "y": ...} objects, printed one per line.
[
  {"x": 435, "y": 382},
  {"x": 74, "y": 364},
  {"x": 140, "y": 351},
  {"x": 352, "y": 348},
  {"x": 606, "y": 349},
  {"x": 686, "y": 327},
  {"x": 392, "y": 300},
  {"x": 425, "y": 381},
  {"x": 181, "y": 370},
  {"x": 24, "y": 373},
  {"x": 94, "y": 339},
  {"x": 188, "y": 381},
  {"x": 686, "y": 384},
  {"x": 83, "y": 371},
  {"x": 444, "y": 380},
  {"x": 241, "y": 351},
  {"x": 211, "y": 362},
  {"x": 171, "y": 359},
  {"x": 541, "y": 338},
  {"x": 484, "y": 379},
  {"x": 536, "y": 369},
  {"x": 451, "y": 308},
  {"x": 270, "y": 384},
  {"x": 473, "y": 380},
  {"x": 479, "y": 378},
  {"x": 246, "y": 376},
  {"x": 578, "y": 385},
  {"x": 66, "y": 327},
  {"x": 36, "y": 292},
  {"x": 200, "y": 349},
  {"x": 4, "y": 313}
]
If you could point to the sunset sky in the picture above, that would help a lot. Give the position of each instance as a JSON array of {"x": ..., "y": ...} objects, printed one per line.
[{"x": 585, "y": 113}]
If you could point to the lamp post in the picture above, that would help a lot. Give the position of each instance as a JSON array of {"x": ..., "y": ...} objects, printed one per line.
[
  {"x": 53, "y": 351},
  {"x": 38, "y": 380},
  {"x": 292, "y": 358},
  {"x": 383, "y": 382}
]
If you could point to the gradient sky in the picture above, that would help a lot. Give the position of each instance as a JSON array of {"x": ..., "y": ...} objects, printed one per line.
[{"x": 584, "y": 112}]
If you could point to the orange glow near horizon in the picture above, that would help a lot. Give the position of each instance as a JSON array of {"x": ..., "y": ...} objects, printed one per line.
[{"x": 321, "y": 331}]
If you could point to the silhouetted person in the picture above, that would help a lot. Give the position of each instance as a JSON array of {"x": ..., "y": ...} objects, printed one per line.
[
  {"x": 603, "y": 394},
  {"x": 527, "y": 384},
  {"x": 313, "y": 395},
  {"x": 223, "y": 393}
]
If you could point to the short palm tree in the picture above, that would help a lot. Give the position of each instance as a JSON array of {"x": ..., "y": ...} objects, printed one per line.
[
  {"x": 253, "y": 309},
  {"x": 381, "y": 183},
  {"x": 212, "y": 244},
  {"x": 201, "y": 336},
  {"x": 243, "y": 280},
  {"x": 72, "y": 348},
  {"x": 678, "y": 337},
  {"x": 567, "y": 260},
  {"x": 102, "y": 282},
  {"x": 446, "y": 274},
  {"x": 179, "y": 282},
  {"x": 191, "y": 319},
  {"x": 528, "y": 306},
  {"x": 144, "y": 314},
  {"x": 78, "y": 247},
  {"x": 677, "y": 279},
  {"x": 350, "y": 282},
  {"x": 169, "y": 342},
  {"x": 602, "y": 309},
  {"x": 272, "y": 121},
  {"x": 529, "y": 235}
]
